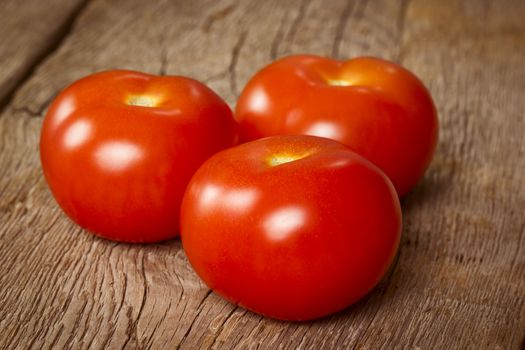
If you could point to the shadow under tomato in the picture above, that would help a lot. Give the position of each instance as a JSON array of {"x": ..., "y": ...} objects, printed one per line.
[{"x": 436, "y": 184}]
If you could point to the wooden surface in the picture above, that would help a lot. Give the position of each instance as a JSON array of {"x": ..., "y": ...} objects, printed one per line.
[
  {"x": 30, "y": 31},
  {"x": 459, "y": 281}
]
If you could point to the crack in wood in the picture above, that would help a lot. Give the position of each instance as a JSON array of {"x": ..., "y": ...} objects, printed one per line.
[
  {"x": 254, "y": 329},
  {"x": 76, "y": 324},
  {"x": 151, "y": 339},
  {"x": 57, "y": 337},
  {"x": 221, "y": 326},
  {"x": 53, "y": 44},
  {"x": 133, "y": 329},
  {"x": 214, "y": 77},
  {"x": 233, "y": 62},
  {"x": 516, "y": 255},
  {"x": 216, "y": 16},
  {"x": 32, "y": 113},
  {"x": 341, "y": 26},
  {"x": 199, "y": 310},
  {"x": 297, "y": 21},
  {"x": 163, "y": 62},
  {"x": 401, "y": 22},
  {"x": 163, "y": 53},
  {"x": 62, "y": 310},
  {"x": 278, "y": 38}
]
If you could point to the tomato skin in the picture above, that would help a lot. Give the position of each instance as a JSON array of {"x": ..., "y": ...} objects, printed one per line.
[
  {"x": 379, "y": 109},
  {"x": 294, "y": 241},
  {"x": 119, "y": 147}
]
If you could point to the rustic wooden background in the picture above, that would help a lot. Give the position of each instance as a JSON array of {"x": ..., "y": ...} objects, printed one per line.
[{"x": 459, "y": 281}]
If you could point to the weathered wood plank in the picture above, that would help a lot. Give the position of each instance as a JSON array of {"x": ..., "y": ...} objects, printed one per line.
[
  {"x": 459, "y": 281},
  {"x": 464, "y": 255},
  {"x": 30, "y": 29}
]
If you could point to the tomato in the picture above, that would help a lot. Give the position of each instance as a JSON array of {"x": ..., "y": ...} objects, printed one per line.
[
  {"x": 292, "y": 227},
  {"x": 379, "y": 109},
  {"x": 119, "y": 147}
]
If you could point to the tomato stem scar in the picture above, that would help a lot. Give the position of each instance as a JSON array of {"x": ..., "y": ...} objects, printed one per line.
[
  {"x": 142, "y": 100},
  {"x": 339, "y": 82},
  {"x": 282, "y": 158}
]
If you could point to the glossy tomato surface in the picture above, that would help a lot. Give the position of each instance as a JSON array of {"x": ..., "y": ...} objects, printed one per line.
[
  {"x": 377, "y": 108},
  {"x": 292, "y": 227},
  {"x": 119, "y": 147}
]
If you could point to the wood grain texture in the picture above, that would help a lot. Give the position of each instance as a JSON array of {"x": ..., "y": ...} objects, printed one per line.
[
  {"x": 30, "y": 30},
  {"x": 459, "y": 280}
]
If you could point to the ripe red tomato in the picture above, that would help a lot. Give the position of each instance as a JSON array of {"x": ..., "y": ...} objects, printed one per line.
[
  {"x": 292, "y": 227},
  {"x": 379, "y": 109},
  {"x": 118, "y": 149}
]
